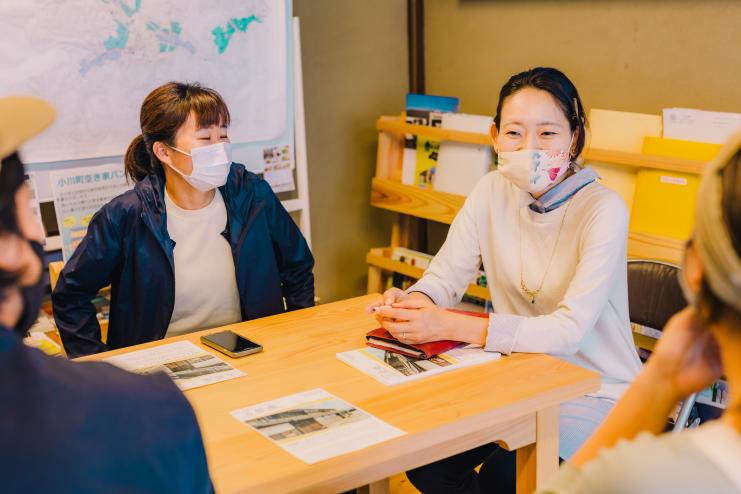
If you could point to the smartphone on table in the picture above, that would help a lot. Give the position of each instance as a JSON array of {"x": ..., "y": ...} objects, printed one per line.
[{"x": 231, "y": 343}]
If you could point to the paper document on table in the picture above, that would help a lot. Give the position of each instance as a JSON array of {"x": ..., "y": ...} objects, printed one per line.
[
  {"x": 315, "y": 425},
  {"x": 44, "y": 343},
  {"x": 700, "y": 126},
  {"x": 186, "y": 364},
  {"x": 392, "y": 368}
]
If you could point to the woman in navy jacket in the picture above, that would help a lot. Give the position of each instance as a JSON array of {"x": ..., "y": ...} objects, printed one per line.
[{"x": 199, "y": 242}]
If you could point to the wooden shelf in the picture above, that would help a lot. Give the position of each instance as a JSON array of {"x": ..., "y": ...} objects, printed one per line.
[
  {"x": 397, "y": 126},
  {"x": 634, "y": 160},
  {"x": 640, "y": 160},
  {"x": 643, "y": 341},
  {"x": 415, "y": 201},
  {"x": 646, "y": 246},
  {"x": 387, "y": 192},
  {"x": 442, "y": 207},
  {"x": 380, "y": 258}
]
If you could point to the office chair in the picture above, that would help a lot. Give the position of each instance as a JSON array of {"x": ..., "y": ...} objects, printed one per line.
[{"x": 654, "y": 296}]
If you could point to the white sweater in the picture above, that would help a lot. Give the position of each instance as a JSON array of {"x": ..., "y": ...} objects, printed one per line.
[{"x": 581, "y": 313}]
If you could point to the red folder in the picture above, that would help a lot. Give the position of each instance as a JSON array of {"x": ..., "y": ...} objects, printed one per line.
[{"x": 383, "y": 340}]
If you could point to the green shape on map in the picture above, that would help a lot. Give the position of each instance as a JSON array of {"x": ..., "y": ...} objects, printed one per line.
[
  {"x": 129, "y": 11},
  {"x": 222, "y": 36},
  {"x": 241, "y": 24},
  {"x": 120, "y": 40},
  {"x": 176, "y": 27}
]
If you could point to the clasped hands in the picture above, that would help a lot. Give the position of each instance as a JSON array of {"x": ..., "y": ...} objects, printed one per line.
[{"x": 413, "y": 318}]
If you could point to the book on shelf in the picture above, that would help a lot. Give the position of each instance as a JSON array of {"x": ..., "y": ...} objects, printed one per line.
[
  {"x": 460, "y": 165},
  {"x": 420, "y": 154},
  {"x": 620, "y": 130},
  {"x": 422, "y": 260},
  {"x": 411, "y": 257}
]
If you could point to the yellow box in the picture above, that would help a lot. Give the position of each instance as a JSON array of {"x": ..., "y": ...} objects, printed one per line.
[
  {"x": 676, "y": 148},
  {"x": 664, "y": 203}
]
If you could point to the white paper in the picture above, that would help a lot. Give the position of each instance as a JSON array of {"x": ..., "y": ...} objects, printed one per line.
[
  {"x": 315, "y": 425},
  {"x": 43, "y": 343},
  {"x": 700, "y": 126},
  {"x": 44, "y": 323},
  {"x": 392, "y": 368},
  {"x": 95, "y": 62},
  {"x": 185, "y": 363},
  {"x": 78, "y": 194},
  {"x": 279, "y": 168}
]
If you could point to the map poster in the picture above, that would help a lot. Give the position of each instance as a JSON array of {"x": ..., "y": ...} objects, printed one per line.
[{"x": 96, "y": 60}]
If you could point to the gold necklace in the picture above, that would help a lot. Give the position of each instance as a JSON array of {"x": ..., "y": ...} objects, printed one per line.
[{"x": 531, "y": 294}]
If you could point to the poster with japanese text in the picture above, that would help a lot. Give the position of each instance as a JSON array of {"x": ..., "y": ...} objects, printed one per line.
[{"x": 78, "y": 194}]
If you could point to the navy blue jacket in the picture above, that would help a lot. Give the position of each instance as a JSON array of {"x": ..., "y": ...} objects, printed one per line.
[
  {"x": 84, "y": 427},
  {"x": 128, "y": 247}
]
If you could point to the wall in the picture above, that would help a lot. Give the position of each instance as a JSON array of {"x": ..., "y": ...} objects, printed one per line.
[
  {"x": 628, "y": 55},
  {"x": 355, "y": 69},
  {"x": 639, "y": 55}
]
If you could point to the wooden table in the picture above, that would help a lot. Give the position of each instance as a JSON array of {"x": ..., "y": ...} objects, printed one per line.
[{"x": 513, "y": 401}]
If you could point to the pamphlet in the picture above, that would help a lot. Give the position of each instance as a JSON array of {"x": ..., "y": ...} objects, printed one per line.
[
  {"x": 185, "y": 363},
  {"x": 393, "y": 368},
  {"x": 315, "y": 425}
]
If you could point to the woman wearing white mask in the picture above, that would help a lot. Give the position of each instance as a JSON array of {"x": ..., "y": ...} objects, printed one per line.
[
  {"x": 199, "y": 242},
  {"x": 552, "y": 242}
]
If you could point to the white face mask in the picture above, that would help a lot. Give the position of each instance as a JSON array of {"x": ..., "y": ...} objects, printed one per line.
[
  {"x": 210, "y": 165},
  {"x": 534, "y": 170}
]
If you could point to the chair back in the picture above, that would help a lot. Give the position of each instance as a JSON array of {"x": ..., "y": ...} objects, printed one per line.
[{"x": 654, "y": 295}]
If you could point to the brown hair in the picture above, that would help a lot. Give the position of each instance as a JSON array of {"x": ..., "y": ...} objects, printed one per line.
[
  {"x": 163, "y": 111},
  {"x": 713, "y": 308}
]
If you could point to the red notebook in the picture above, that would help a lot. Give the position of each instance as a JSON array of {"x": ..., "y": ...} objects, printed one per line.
[{"x": 383, "y": 340}]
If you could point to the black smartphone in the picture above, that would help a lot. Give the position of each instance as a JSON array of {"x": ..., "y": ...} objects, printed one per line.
[{"x": 231, "y": 343}]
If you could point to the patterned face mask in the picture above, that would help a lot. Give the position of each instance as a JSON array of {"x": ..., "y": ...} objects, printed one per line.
[{"x": 533, "y": 170}]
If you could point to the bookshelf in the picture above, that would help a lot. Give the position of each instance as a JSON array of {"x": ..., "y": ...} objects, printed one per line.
[
  {"x": 411, "y": 202},
  {"x": 395, "y": 125},
  {"x": 380, "y": 258}
]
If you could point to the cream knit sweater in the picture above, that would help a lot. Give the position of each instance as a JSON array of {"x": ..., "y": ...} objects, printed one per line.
[{"x": 581, "y": 313}]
